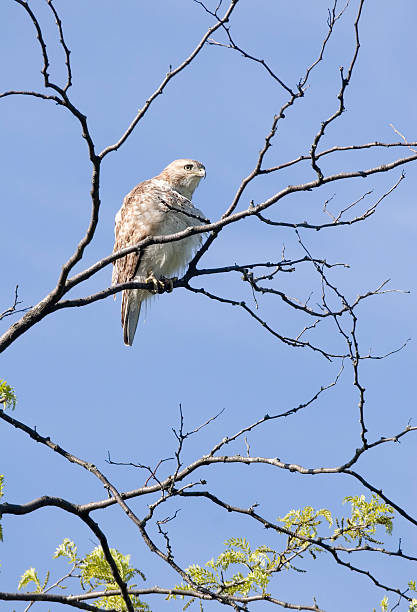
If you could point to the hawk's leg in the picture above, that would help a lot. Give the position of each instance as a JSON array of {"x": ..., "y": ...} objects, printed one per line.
[
  {"x": 168, "y": 283},
  {"x": 157, "y": 285},
  {"x": 160, "y": 285}
]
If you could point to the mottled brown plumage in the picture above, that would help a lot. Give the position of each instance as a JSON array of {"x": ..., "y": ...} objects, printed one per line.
[{"x": 159, "y": 206}]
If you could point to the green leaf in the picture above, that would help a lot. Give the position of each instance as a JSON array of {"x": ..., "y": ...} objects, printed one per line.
[
  {"x": 30, "y": 575},
  {"x": 305, "y": 523},
  {"x": 365, "y": 518},
  {"x": 96, "y": 572},
  {"x": 67, "y": 549},
  {"x": 254, "y": 570},
  {"x": 7, "y": 395},
  {"x": 413, "y": 606}
]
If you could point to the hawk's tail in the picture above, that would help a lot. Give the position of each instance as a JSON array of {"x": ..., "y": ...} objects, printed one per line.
[{"x": 131, "y": 304}]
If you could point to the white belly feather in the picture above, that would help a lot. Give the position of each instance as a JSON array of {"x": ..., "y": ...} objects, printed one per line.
[{"x": 170, "y": 258}]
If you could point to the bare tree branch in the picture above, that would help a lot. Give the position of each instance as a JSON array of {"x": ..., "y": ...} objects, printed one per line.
[
  {"x": 63, "y": 44},
  {"x": 170, "y": 74},
  {"x": 51, "y": 597},
  {"x": 341, "y": 96},
  {"x": 13, "y": 308}
]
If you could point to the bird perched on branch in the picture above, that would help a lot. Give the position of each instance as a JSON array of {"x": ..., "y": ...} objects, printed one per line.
[{"x": 157, "y": 207}]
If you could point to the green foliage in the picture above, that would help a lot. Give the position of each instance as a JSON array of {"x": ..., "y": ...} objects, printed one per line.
[
  {"x": 304, "y": 523},
  {"x": 31, "y": 575},
  {"x": 239, "y": 570},
  {"x": 69, "y": 550},
  {"x": 384, "y": 604},
  {"x": 252, "y": 574},
  {"x": 412, "y": 605},
  {"x": 94, "y": 572},
  {"x": 7, "y": 395},
  {"x": 364, "y": 519}
]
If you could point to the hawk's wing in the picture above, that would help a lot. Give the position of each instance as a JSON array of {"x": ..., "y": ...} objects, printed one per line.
[
  {"x": 128, "y": 230},
  {"x": 140, "y": 216}
]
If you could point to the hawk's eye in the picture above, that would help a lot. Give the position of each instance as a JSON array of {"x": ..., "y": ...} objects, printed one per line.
[{"x": 188, "y": 167}]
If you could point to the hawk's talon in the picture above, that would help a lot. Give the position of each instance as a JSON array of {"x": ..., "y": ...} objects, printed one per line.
[
  {"x": 157, "y": 285},
  {"x": 168, "y": 283},
  {"x": 160, "y": 285}
]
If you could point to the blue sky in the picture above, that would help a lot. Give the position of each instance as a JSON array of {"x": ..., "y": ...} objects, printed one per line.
[{"x": 76, "y": 381}]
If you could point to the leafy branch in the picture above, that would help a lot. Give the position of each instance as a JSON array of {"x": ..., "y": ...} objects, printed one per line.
[
  {"x": 7, "y": 395},
  {"x": 94, "y": 572}
]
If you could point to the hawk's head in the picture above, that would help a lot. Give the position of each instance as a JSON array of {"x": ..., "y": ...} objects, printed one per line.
[{"x": 184, "y": 175}]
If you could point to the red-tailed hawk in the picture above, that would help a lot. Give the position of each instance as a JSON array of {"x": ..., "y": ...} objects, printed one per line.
[{"x": 157, "y": 207}]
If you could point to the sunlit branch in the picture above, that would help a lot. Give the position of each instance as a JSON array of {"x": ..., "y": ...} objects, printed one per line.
[
  {"x": 280, "y": 529},
  {"x": 35, "y": 94}
]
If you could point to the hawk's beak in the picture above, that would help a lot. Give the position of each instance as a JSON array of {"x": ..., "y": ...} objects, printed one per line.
[{"x": 203, "y": 172}]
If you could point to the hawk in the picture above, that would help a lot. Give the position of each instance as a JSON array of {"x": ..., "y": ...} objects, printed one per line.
[{"x": 157, "y": 207}]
